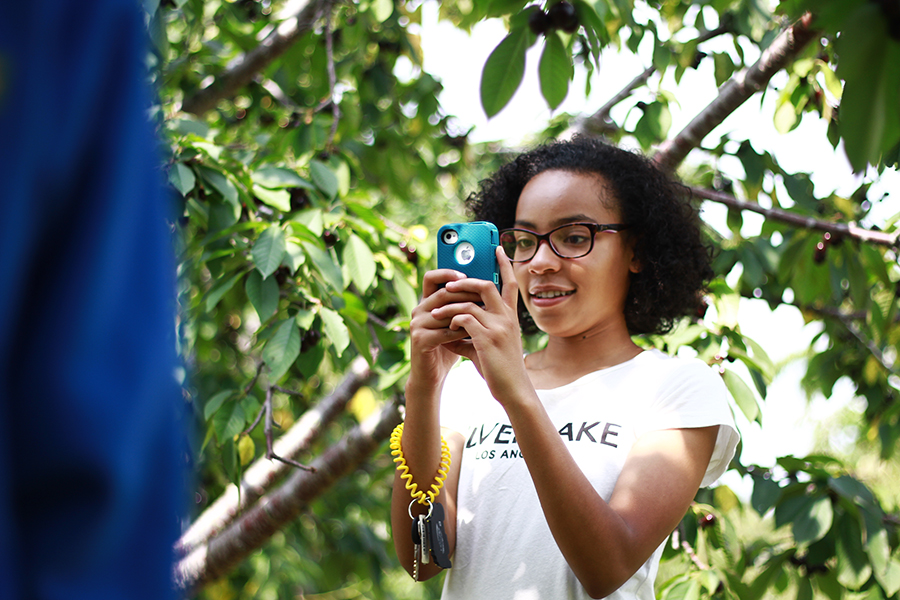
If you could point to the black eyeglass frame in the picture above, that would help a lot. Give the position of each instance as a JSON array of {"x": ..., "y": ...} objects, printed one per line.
[{"x": 594, "y": 228}]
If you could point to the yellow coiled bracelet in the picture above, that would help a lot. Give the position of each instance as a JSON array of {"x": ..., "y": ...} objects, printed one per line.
[{"x": 420, "y": 496}]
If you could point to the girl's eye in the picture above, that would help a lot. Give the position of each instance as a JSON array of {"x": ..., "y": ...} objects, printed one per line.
[
  {"x": 525, "y": 243},
  {"x": 575, "y": 240}
]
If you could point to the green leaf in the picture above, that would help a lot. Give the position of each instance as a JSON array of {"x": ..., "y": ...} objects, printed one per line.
[
  {"x": 309, "y": 361},
  {"x": 324, "y": 178},
  {"x": 852, "y": 564},
  {"x": 405, "y": 293},
  {"x": 189, "y": 125},
  {"x": 766, "y": 493},
  {"x": 214, "y": 403},
  {"x": 804, "y": 589},
  {"x": 223, "y": 215},
  {"x": 354, "y": 308},
  {"x": 282, "y": 349},
  {"x": 878, "y": 550},
  {"x": 724, "y": 67},
  {"x": 555, "y": 71},
  {"x": 335, "y": 330},
  {"x": 220, "y": 289},
  {"x": 294, "y": 256},
  {"x": 280, "y": 199},
  {"x": 276, "y": 178},
  {"x": 743, "y": 395},
  {"x": 889, "y": 578},
  {"x": 785, "y": 117},
  {"x": 360, "y": 263},
  {"x": 685, "y": 590},
  {"x": 504, "y": 69},
  {"x": 853, "y": 490},
  {"x": 229, "y": 421},
  {"x": 330, "y": 272},
  {"x": 661, "y": 56},
  {"x": 263, "y": 294},
  {"x": 654, "y": 124},
  {"x": 381, "y": 10},
  {"x": 304, "y": 319},
  {"x": 221, "y": 183},
  {"x": 814, "y": 520},
  {"x": 862, "y": 47},
  {"x": 181, "y": 176},
  {"x": 269, "y": 249}
]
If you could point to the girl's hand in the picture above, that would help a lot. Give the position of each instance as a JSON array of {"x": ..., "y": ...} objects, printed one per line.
[
  {"x": 430, "y": 359},
  {"x": 495, "y": 342}
]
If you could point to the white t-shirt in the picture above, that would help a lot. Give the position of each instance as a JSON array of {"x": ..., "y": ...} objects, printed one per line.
[{"x": 504, "y": 548}]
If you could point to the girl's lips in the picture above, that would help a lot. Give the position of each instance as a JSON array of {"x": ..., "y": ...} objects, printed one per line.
[
  {"x": 550, "y": 294},
  {"x": 549, "y": 297}
]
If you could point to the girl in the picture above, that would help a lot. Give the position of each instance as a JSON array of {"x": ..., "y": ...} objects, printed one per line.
[{"x": 570, "y": 466}]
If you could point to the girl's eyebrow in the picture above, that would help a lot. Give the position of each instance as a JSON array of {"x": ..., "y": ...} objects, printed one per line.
[{"x": 557, "y": 222}]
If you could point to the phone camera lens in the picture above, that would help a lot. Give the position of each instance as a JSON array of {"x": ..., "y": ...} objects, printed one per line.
[{"x": 450, "y": 237}]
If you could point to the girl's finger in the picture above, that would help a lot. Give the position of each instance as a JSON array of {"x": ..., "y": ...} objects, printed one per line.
[
  {"x": 435, "y": 280},
  {"x": 510, "y": 290}
]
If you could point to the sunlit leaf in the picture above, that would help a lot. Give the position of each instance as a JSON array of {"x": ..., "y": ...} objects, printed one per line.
[
  {"x": 279, "y": 199},
  {"x": 360, "y": 263},
  {"x": 743, "y": 395},
  {"x": 276, "y": 178},
  {"x": 335, "y": 330},
  {"x": 246, "y": 449}
]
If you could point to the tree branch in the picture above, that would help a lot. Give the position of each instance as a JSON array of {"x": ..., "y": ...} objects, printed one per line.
[
  {"x": 736, "y": 91},
  {"x": 868, "y": 344},
  {"x": 842, "y": 230},
  {"x": 600, "y": 123},
  {"x": 263, "y": 473},
  {"x": 247, "y": 66},
  {"x": 217, "y": 556}
]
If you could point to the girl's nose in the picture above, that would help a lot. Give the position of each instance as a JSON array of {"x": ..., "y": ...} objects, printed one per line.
[{"x": 544, "y": 259}]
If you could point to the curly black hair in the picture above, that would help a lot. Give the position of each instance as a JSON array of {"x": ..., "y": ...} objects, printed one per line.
[{"x": 663, "y": 223}]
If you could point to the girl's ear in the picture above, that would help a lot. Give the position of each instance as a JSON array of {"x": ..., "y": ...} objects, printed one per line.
[{"x": 636, "y": 266}]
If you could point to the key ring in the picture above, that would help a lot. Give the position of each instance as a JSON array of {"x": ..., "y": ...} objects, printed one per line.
[{"x": 409, "y": 510}]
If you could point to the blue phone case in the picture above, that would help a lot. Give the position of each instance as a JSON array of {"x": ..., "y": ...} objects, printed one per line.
[{"x": 471, "y": 249}]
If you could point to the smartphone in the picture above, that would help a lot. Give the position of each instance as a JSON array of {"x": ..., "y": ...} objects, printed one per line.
[{"x": 471, "y": 249}]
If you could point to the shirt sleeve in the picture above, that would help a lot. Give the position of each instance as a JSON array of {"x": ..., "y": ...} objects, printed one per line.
[{"x": 693, "y": 395}]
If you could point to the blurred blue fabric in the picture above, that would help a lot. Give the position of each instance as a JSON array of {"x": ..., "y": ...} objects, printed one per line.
[{"x": 92, "y": 448}]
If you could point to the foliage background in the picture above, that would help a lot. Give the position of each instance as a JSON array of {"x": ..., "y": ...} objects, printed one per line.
[{"x": 311, "y": 178}]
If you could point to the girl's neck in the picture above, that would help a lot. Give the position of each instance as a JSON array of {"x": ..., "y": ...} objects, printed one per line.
[{"x": 564, "y": 360}]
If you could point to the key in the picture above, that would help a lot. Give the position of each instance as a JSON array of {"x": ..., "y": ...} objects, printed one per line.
[
  {"x": 437, "y": 537},
  {"x": 416, "y": 538},
  {"x": 417, "y": 548},
  {"x": 426, "y": 543}
]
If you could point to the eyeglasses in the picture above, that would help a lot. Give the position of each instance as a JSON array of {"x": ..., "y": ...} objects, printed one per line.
[{"x": 572, "y": 240}]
